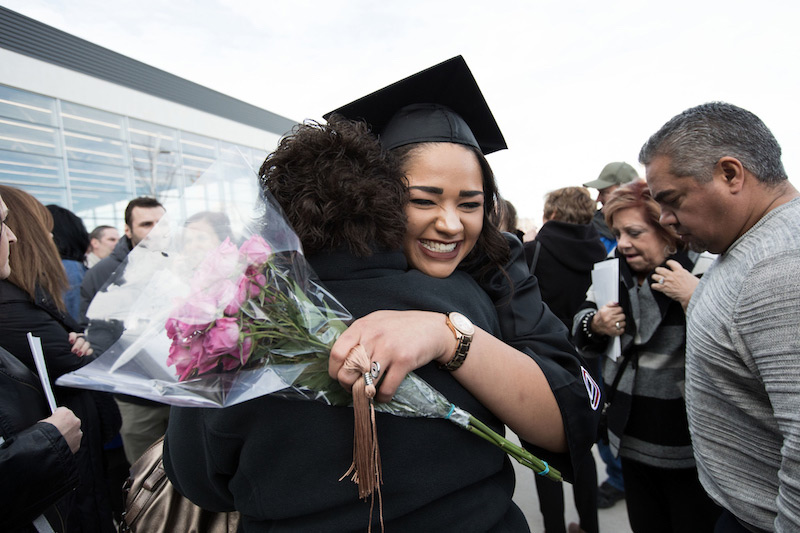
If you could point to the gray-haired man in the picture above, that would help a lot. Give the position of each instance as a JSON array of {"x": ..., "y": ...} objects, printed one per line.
[{"x": 716, "y": 171}]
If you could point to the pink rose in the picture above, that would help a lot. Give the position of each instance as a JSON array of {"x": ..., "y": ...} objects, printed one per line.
[
  {"x": 223, "y": 337},
  {"x": 248, "y": 286},
  {"x": 173, "y": 329},
  {"x": 257, "y": 280},
  {"x": 230, "y": 362},
  {"x": 219, "y": 264},
  {"x": 255, "y": 250},
  {"x": 196, "y": 313},
  {"x": 182, "y": 332},
  {"x": 221, "y": 293},
  {"x": 242, "y": 355},
  {"x": 185, "y": 358},
  {"x": 241, "y": 294}
]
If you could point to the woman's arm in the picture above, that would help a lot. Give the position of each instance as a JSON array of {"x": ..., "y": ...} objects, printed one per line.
[
  {"x": 17, "y": 318},
  {"x": 508, "y": 382},
  {"x": 37, "y": 467}
]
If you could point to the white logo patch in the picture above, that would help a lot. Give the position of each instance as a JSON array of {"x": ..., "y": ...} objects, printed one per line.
[{"x": 591, "y": 388}]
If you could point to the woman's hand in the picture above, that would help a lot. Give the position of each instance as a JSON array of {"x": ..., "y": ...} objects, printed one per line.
[
  {"x": 676, "y": 282},
  {"x": 80, "y": 346},
  {"x": 399, "y": 341},
  {"x": 609, "y": 320}
]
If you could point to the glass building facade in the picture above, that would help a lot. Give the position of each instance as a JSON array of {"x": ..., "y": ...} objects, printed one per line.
[{"x": 93, "y": 162}]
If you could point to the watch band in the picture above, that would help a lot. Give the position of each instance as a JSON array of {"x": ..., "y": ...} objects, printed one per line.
[{"x": 463, "y": 338}]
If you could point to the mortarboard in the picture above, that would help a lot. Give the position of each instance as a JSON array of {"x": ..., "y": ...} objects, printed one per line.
[{"x": 440, "y": 104}]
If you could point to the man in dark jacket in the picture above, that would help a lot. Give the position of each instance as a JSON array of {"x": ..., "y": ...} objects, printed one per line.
[
  {"x": 569, "y": 246},
  {"x": 141, "y": 216},
  {"x": 143, "y": 421}
]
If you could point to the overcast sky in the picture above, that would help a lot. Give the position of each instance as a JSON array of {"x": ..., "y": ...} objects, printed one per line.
[{"x": 573, "y": 84}]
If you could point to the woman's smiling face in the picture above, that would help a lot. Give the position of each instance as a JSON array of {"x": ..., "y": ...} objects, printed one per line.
[{"x": 445, "y": 208}]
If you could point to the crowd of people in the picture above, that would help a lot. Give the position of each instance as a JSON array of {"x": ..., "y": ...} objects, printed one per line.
[{"x": 688, "y": 381}]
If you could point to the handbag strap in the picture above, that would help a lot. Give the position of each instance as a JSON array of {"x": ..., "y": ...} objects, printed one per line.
[
  {"x": 154, "y": 478},
  {"x": 614, "y": 384},
  {"x": 535, "y": 257}
]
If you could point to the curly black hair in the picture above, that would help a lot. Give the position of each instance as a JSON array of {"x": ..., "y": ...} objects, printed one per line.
[{"x": 338, "y": 187}]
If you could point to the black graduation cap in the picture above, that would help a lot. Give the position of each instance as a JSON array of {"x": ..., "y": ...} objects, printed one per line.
[{"x": 440, "y": 104}]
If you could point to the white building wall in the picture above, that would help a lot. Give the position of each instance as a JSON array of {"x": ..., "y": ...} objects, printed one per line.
[{"x": 23, "y": 72}]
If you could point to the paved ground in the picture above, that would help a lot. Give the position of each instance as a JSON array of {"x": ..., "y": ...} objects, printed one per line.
[{"x": 613, "y": 520}]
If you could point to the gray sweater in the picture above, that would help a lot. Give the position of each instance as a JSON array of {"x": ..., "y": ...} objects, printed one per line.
[{"x": 743, "y": 374}]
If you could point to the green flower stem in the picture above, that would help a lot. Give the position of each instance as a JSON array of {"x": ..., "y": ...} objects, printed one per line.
[{"x": 520, "y": 454}]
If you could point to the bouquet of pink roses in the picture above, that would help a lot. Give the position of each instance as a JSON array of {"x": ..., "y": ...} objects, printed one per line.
[{"x": 245, "y": 312}]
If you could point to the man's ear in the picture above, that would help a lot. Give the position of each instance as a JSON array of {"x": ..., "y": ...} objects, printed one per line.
[
  {"x": 731, "y": 171},
  {"x": 128, "y": 231}
]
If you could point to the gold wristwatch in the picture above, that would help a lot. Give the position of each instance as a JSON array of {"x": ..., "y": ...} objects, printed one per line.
[{"x": 463, "y": 329}]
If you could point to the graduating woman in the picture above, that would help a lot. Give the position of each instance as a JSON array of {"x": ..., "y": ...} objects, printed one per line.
[{"x": 400, "y": 242}]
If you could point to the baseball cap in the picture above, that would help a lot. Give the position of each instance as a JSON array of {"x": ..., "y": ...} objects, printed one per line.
[
  {"x": 615, "y": 173},
  {"x": 442, "y": 103}
]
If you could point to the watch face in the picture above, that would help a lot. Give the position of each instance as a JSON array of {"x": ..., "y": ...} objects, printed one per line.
[{"x": 462, "y": 323}]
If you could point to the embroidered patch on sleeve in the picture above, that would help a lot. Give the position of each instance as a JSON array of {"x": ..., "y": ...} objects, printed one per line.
[{"x": 591, "y": 388}]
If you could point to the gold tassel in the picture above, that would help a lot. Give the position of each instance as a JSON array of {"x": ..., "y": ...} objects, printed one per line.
[{"x": 365, "y": 469}]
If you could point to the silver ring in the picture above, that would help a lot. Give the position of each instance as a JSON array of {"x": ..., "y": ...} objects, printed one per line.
[
  {"x": 661, "y": 281},
  {"x": 617, "y": 326},
  {"x": 376, "y": 369}
]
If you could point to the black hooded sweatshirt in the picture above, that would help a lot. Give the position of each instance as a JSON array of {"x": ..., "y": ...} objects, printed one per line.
[{"x": 567, "y": 253}]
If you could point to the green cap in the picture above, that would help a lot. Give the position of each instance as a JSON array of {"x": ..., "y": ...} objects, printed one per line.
[{"x": 615, "y": 173}]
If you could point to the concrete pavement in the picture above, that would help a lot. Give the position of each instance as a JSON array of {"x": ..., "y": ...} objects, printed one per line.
[{"x": 612, "y": 520}]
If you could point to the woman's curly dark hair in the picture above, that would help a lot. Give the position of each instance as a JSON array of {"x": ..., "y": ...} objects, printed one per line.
[{"x": 338, "y": 187}]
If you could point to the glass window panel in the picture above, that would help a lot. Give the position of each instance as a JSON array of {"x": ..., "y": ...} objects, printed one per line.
[
  {"x": 203, "y": 197},
  {"x": 95, "y": 149},
  {"x": 258, "y": 157},
  {"x": 30, "y": 138},
  {"x": 84, "y": 119},
  {"x": 234, "y": 152},
  {"x": 98, "y": 177},
  {"x": 197, "y": 145},
  {"x": 152, "y": 137},
  {"x": 46, "y": 195},
  {"x": 17, "y": 168},
  {"x": 28, "y": 107},
  {"x": 156, "y": 174},
  {"x": 100, "y": 208},
  {"x": 147, "y": 163},
  {"x": 194, "y": 167},
  {"x": 170, "y": 187}
]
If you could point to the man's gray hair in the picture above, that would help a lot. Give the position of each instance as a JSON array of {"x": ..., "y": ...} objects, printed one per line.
[{"x": 699, "y": 137}]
